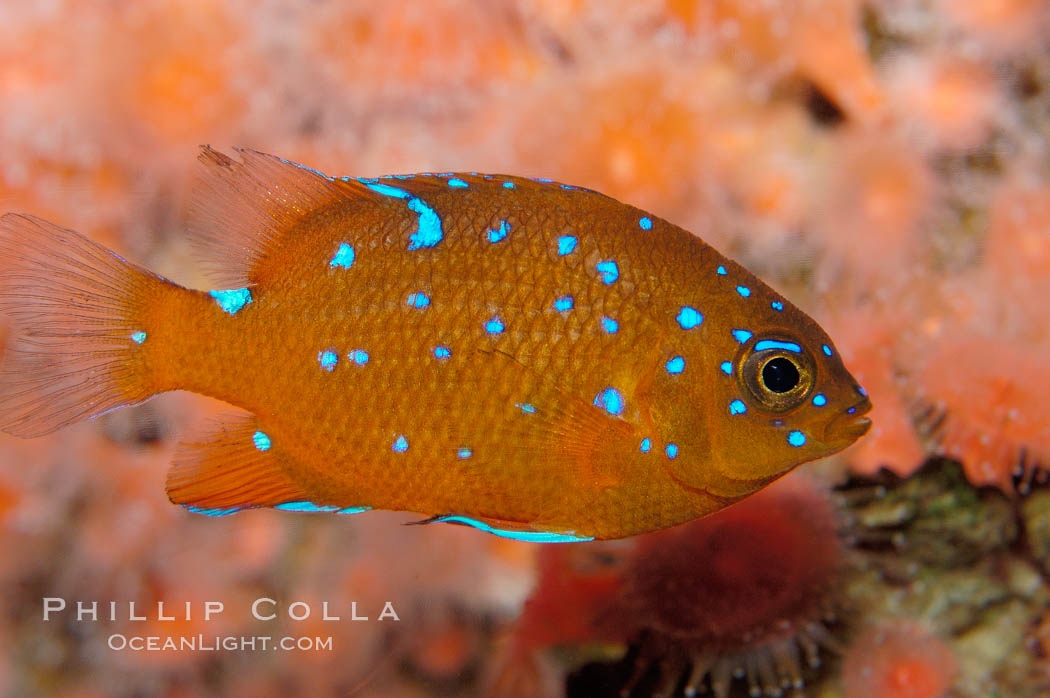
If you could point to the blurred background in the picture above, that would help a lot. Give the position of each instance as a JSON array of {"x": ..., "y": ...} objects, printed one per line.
[{"x": 884, "y": 164}]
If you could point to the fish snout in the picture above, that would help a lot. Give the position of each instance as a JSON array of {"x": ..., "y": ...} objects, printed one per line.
[{"x": 851, "y": 424}]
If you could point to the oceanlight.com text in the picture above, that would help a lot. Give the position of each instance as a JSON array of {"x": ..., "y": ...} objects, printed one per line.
[{"x": 215, "y": 643}]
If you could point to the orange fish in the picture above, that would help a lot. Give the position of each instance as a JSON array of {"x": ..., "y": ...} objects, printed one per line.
[{"x": 530, "y": 358}]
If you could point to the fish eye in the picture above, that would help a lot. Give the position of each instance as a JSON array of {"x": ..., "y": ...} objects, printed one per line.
[
  {"x": 779, "y": 375},
  {"x": 778, "y": 378}
]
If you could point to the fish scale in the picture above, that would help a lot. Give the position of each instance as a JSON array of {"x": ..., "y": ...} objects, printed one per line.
[{"x": 537, "y": 360}]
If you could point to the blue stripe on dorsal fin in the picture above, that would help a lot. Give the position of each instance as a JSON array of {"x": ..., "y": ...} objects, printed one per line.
[{"x": 512, "y": 534}]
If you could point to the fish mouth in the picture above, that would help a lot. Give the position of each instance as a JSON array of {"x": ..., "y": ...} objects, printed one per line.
[{"x": 851, "y": 424}]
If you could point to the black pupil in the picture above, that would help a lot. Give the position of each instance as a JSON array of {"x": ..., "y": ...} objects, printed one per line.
[{"x": 779, "y": 375}]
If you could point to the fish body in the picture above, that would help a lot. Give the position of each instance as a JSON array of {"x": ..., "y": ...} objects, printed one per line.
[{"x": 534, "y": 359}]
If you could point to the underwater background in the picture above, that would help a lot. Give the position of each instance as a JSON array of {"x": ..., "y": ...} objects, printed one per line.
[{"x": 884, "y": 164}]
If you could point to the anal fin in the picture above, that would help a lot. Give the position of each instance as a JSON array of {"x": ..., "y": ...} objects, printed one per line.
[
  {"x": 505, "y": 529},
  {"x": 232, "y": 465}
]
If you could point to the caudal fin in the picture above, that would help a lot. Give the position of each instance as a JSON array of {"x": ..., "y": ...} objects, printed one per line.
[{"x": 79, "y": 337}]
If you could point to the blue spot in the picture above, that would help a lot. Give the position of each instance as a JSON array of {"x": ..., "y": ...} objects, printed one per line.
[
  {"x": 306, "y": 506},
  {"x": 569, "y": 187},
  {"x": 442, "y": 352},
  {"x": 498, "y": 234},
  {"x": 796, "y": 438},
  {"x": 826, "y": 349},
  {"x": 610, "y": 325},
  {"x": 676, "y": 365},
  {"x": 527, "y": 536},
  {"x": 645, "y": 223},
  {"x": 526, "y": 407},
  {"x": 232, "y": 300},
  {"x": 727, "y": 368},
  {"x": 721, "y": 271},
  {"x": 773, "y": 344},
  {"x": 743, "y": 291},
  {"x": 386, "y": 190},
  {"x": 689, "y": 318},
  {"x": 464, "y": 453},
  {"x": 429, "y": 233},
  {"x": 819, "y": 400},
  {"x": 212, "y": 512},
  {"x": 563, "y": 303},
  {"x": 261, "y": 441},
  {"x": 543, "y": 179},
  {"x": 353, "y": 510},
  {"x": 328, "y": 359},
  {"x": 418, "y": 300},
  {"x": 358, "y": 356},
  {"x": 777, "y": 305},
  {"x": 671, "y": 451},
  {"x": 344, "y": 257},
  {"x": 851, "y": 410},
  {"x": 610, "y": 400},
  {"x": 403, "y": 176},
  {"x": 400, "y": 445},
  {"x": 741, "y": 335},
  {"x": 138, "y": 337},
  {"x": 647, "y": 445},
  {"x": 566, "y": 244},
  {"x": 862, "y": 391},
  {"x": 737, "y": 407},
  {"x": 609, "y": 271},
  {"x": 508, "y": 185},
  {"x": 458, "y": 183},
  {"x": 494, "y": 326}
]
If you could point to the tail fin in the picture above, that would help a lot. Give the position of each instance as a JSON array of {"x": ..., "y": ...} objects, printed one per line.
[{"x": 78, "y": 309}]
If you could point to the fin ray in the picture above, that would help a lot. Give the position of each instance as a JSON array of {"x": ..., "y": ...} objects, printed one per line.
[
  {"x": 563, "y": 430},
  {"x": 76, "y": 307},
  {"x": 224, "y": 469},
  {"x": 241, "y": 209}
]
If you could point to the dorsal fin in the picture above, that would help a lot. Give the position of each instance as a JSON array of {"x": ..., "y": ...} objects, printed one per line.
[{"x": 239, "y": 210}]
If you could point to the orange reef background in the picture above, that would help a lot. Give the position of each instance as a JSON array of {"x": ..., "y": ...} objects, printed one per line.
[{"x": 885, "y": 164}]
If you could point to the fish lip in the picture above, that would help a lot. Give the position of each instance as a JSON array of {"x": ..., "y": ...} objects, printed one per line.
[{"x": 851, "y": 424}]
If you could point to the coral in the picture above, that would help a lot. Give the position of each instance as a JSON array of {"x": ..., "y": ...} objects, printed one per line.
[
  {"x": 741, "y": 593},
  {"x": 387, "y": 56},
  {"x": 994, "y": 418},
  {"x": 898, "y": 660},
  {"x": 1002, "y": 25},
  {"x": 883, "y": 163},
  {"x": 746, "y": 592},
  {"x": 952, "y": 100},
  {"x": 574, "y": 589},
  {"x": 822, "y": 40}
]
